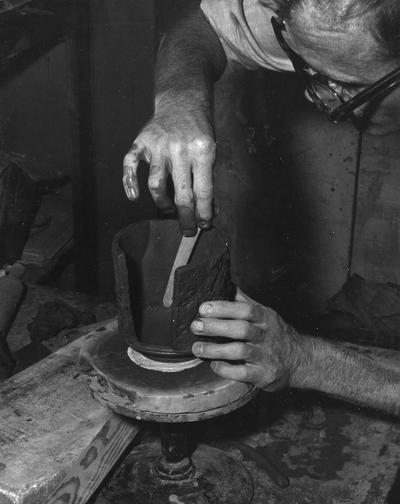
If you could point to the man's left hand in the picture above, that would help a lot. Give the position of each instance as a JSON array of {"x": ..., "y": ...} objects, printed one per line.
[{"x": 261, "y": 347}]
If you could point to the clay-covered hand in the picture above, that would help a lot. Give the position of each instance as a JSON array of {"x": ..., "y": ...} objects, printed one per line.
[
  {"x": 178, "y": 141},
  {"x": 262, "y": 348}
]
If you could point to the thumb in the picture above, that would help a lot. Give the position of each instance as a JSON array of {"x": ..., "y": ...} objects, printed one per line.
[
  {"x": 241, "y": 296},
  {"x": 131, "y": 163}
]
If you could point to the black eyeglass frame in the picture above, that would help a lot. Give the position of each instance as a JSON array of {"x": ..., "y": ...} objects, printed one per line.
[{"x": 345, "y": 110}]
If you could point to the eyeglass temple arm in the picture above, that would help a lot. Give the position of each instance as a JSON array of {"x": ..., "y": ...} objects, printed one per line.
[{"x": 374, "y": 91}]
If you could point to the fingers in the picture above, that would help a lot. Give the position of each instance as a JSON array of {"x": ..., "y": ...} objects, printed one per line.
[
  {"x": 236, "y": 351},
  {"x": 182, "y": 179},
  {"x": 249, "y": 373},
  {"x": 203, "y": 155},
  {"x": 237, "y": 310},
  {"x": 234, "y": 329},
  {"x": 239, "y": 372},
  {"x": 158, "y": 183},
  {"x": 190, "y": 163},
  {"x": 131, "y": 163}
]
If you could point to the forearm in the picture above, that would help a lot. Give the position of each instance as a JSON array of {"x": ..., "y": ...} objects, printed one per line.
[
  {"x": 190, "y": 59},
  {"x": 352, "y": 373}
]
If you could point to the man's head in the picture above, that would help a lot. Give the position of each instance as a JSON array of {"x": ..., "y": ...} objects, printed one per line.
[
  {"x": 380, "y": 17},
  {"x": 352, "y": 42}
]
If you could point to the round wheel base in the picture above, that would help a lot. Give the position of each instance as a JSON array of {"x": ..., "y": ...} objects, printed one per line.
[
  {"x": 146, "y": 394},
  {"x": 216, "y": 478}
]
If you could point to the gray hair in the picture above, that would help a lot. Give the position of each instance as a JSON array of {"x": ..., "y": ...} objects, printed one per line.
[{"x": 382, "y": 17}]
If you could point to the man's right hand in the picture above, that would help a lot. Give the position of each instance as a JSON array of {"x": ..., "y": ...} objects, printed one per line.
[{"x": 178, "y": 142}]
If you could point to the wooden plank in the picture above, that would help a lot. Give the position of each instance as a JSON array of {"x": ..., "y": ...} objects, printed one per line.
[
  {"x": 35, "y": 114},
  {"x": 98, "y": 459},
  {"x": 122, "y": 62},
  {"x": 84, "y": 175},
  {"x": 18, "y": 204},
  {"x": 47, "y": 419},
  {"x": 6, "y": 6},
  {"x": 46, "y": 246},
  {"x": 377, "y": 233},
  {"x": 28, "y": 33},
  {"x": 36, "y": 296}
]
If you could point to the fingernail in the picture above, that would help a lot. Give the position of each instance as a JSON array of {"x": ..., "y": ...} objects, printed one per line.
[
  {"x": 205, "y": 308},
  {"x": 197, "y": 325},
  {"x": 197, "y": 349},
  {"x": 131, "y": 193},
  {"x": 204, "y": 224}
]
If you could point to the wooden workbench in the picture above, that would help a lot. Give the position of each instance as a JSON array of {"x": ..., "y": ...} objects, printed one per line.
[{"x": 48, "y": 419}]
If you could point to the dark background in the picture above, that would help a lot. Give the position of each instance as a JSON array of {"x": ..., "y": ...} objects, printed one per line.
[{"x": 306, "y": 203}]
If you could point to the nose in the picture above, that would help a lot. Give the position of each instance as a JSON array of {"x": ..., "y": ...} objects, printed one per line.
[
  {"x": 360, "y": 112},
  {"x": 363, "y": 111}
]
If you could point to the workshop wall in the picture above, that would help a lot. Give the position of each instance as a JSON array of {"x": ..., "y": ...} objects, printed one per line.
[
  {"x": 334, "y": 198},
  {"x": 348, "y": 186},
  {"x": 324, "y": 159},
  {"x": 346, "y": 191},
  {"x": 285, "y": 183},
  {"x": 36, "y": 112},
  {"x": 376, "y": 243}
]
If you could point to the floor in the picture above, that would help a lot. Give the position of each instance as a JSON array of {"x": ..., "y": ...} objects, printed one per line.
[{"x": 330, "y": 452}]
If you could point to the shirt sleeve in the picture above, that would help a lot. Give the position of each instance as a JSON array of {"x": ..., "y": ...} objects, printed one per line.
[{"x": 246, "y": 34}]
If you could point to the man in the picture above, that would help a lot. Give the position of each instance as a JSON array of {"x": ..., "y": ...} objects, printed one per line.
[{"x": 348, "y": 53}]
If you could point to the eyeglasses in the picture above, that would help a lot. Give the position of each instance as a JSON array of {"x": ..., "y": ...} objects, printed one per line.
[{"x": 322, "y": 90}]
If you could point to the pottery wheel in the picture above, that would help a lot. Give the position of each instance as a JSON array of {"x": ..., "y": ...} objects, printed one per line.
[{"x": 146, "y": 394}]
